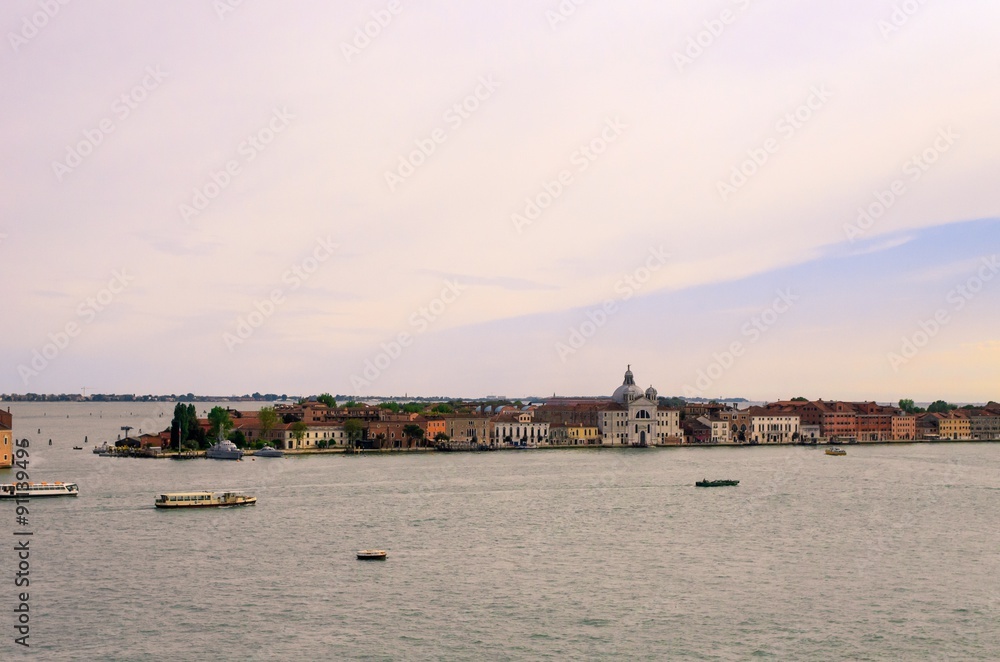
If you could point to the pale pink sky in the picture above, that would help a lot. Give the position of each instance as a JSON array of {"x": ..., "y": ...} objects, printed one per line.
[{"x": 213, "y": 201}]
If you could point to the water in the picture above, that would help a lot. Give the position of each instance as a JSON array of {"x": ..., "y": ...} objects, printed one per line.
[{"x": 891, "y": 552}]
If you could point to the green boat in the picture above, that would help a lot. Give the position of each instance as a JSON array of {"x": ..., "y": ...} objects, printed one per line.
[{"x": 716, "y": 483}]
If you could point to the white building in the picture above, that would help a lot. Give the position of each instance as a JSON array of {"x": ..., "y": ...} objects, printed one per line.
[
  {"x": 635, "y": 419},
  {"x": 517, "y": 428},
  {"x": 772, "y": 428}
]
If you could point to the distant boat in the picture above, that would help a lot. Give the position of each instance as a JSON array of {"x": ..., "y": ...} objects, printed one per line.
[
  {"x": 268, "y": 451},
  {"x": 836, "y": 451},
  {"x": 716, "y": 483},
  {"x": 223, "y": 450},
  {"x": 203, "y": 500},
  {"x": 372, "y": 555},
  {"x": 78, "y": 448},
  {"x": 17, "y": 490}
]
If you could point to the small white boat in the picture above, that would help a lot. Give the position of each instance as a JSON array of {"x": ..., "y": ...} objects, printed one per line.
[
  {"x": 14, "y": 491},
  {"x": 372, "y": 555},
  {"x": 203, "y": 500},
  {"x": 268, "y": 451}
]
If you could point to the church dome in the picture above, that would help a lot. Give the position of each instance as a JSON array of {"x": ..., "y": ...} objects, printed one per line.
[
  {"x": 651, "y": 393},
  {"x": 628, "y": 391}
]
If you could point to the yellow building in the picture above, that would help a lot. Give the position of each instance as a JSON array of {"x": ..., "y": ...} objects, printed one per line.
[
  {"x": 581, "y": 435},
  {"x": 955, "y": 428},
  {"x": 6, "y": 439}
]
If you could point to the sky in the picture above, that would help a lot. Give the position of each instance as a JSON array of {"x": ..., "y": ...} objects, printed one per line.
[{"x": 763, "y": 199}]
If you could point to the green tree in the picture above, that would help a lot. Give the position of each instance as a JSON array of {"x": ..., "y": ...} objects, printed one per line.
[
  {"x": 414, "y": 432},
  {"x": 352, "y": 404},
  {"x": 413, "y": 407},
  {"x": 940, "y": 406},
  {"x": 907, "y": 406},
  {"x": 441, "y": 436},
  {"x": 442, "y": 408},
  {"x": 327, "y": 400},
  {"x": 268, "y": 418},
  {"x": 799, "y": 398},
  {"x": 238, "y": 438},
  {"x": 298, "y": 432},
  {"x": 221, "y": 422},
  {"x": 353, "y": 428},
  {"x": 394, "y": 407}
]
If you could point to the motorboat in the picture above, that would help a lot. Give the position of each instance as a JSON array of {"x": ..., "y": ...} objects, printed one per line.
[
  {"x": 372, "y": 555},
  {"x": 836, "y": 451},
  {"x": 268, "y": 451},
  {"x": 716, "y": 483}
]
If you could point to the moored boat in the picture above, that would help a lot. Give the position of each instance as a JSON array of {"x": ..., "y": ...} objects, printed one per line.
[
  {"x": 716, "y": 483},
  {"x": 836, "y": 451},
  {"x": 203, "y": 500},
  {"x": 223, "y": 450},
  {"x": 268, "y": 451},
  {"x": 32, "y": 490},
  {"x": 372, "y": 555}
]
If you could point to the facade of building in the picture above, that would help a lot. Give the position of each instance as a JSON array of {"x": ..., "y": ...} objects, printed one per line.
[
  {"x": 772, "y": 427},
  {"x": 6, "y": 439},
  {"x": 634, "y": 418},
  {"x": 517, "y": 427},
  {"x": 904, "y": 427},
  {"x": 985, "y": 426},
  {"x": 466, "y": 428},
  {"x": 954, "y": 427}
]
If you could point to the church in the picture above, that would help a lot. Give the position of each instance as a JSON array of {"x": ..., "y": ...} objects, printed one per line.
[{"x": 634, "y": 417}]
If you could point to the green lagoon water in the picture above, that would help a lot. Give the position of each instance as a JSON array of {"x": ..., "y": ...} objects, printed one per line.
[{"x": 889, "y": 553}]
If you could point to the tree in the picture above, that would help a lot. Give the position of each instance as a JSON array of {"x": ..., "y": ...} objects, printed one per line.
[
  {"x": 441, "y": 436},
  {"x": 442, "y": 408},
  {"x": 299, "y": 431},
  {"x": 414, "y": 432},
  {"x": 221, "y": 422},
  {"x": 940, "y": 406},
  {"x": 353, "y": 428},
  {"x": 351, "y": 404},
  {"x": 394, "y": 407},
  {"x": 799, "y": 398},
  {"x": 413, "y": 407},
  {"x": 327, "y": 400},
  {"x": 238, "y": 438},
  {"x": 268, "y": 418}
]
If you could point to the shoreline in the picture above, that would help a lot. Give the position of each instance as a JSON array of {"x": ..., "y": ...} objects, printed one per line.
[{"x": 591, "y": 447}]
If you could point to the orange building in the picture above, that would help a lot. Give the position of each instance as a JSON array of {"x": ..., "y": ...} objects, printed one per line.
[
  {"x": 6, "y": 439},
  {"x": 904, "y": 427}
]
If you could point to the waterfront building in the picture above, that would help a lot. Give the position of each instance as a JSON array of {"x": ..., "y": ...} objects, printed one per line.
[
  {"x": 721, "y": 432},
  {"x": 984, "y": 425},
  {"x": 635, "y": 419},
  {"x": 696, "y": 431},
  {"x": 904, "y": 427},
  {"x": 583, "y": 435},
  {"x": 955, "y": 426},
  {"x": 773, "y": 427},
  {"x": 468, "y": 428},
  {"x": 517, "y": 427},
  {"x": 6, "y": 438}
]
